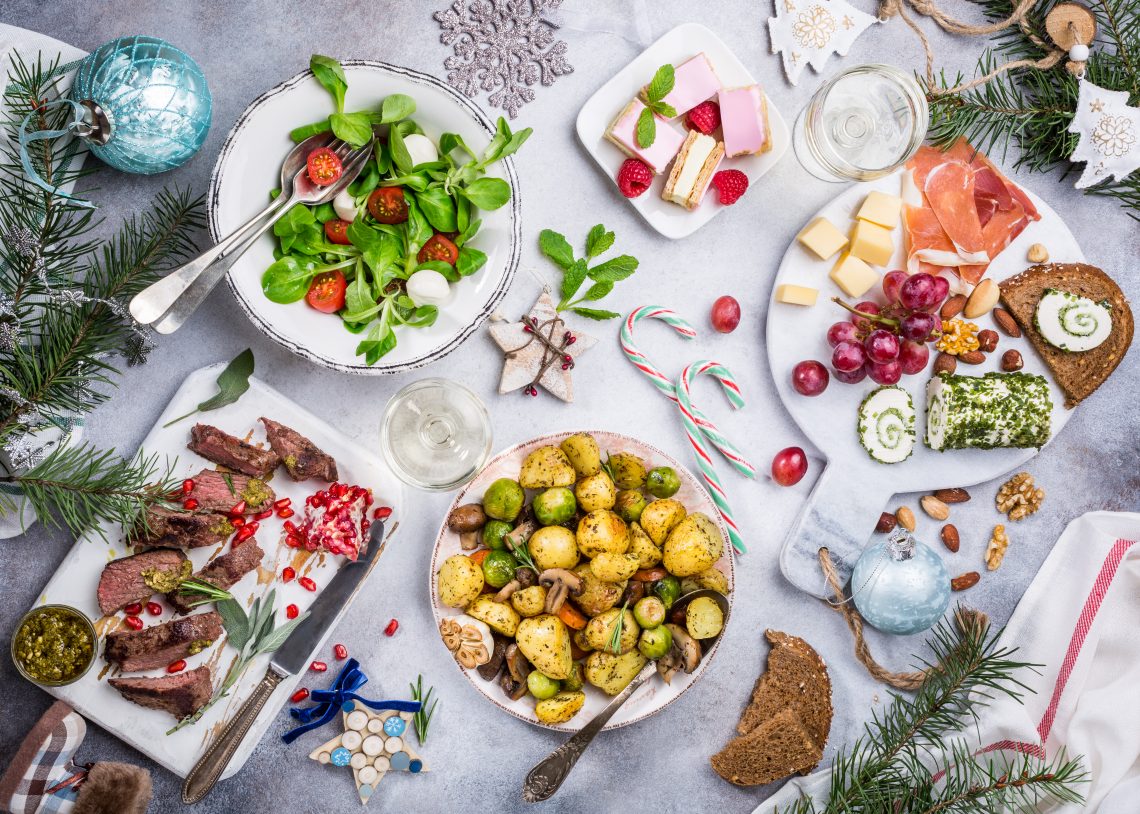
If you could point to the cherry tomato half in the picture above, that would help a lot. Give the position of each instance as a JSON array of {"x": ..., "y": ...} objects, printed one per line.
[
  {"x": 438, "y": 247},
  {"x": 337, "y": 231},
  {"x": 326, "y": 292},
  {"x": 324, "y": 166},
  {"x": 387, "y": 205}
]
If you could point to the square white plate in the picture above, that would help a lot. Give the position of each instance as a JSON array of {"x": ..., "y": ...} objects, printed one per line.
[{"x": 684, "y": 41}]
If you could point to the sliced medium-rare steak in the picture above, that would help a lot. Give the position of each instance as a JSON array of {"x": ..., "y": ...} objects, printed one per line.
[
  {"x": 223, "y": 572},
  {"x": 170, "y": 528},
  {"x": 125, "y": 580},
  {"x": 302, "y": 458},
  {"x": 221, "y": 491},
  {"x": 232, "y": 453},
  {"x": 180, "y": 694},
  {"x": 159, "y": 645}
]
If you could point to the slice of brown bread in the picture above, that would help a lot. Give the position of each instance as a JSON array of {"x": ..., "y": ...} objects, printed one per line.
[
  {"x": 773, "y": 750},
  {"x": 796, "y": 678},
  {"x": 1077, "y": 374}
]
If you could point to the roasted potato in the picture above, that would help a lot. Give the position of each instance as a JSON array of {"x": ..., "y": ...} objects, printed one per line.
[
  {"x": 546, "y": 468},
  {"x": 628, "y": 470},
  {"x": 529, "y": 601},
  {"x": 584, "y": 455},
  {"x": 710, "y": 578},
  {"x": 693, "y": 545},
  {"x": 600, "y": 630},
  {"x": 610, "y": 673},
  {"x": 499, "y": 616},
  {"x": 648, "y": 553},
  {"x": 545, "y": 641},
  {"x": 553, "y": 547},
  {"x": 579, "y": 640},
  {"x": 561, "y": 708},
  {"x": 577, "y": 678},
  {"x": 629, "y": 504},
  {"x": 614, "y": 567},
  {"x": 659, "y": 518},
  {"x": 596, "y": 596},
  {"x": 703, "y": 618},
  {"x": 602, "y": 531},
  {"x": 595, "y": 492},
  {"x": 460, "y": 580}
]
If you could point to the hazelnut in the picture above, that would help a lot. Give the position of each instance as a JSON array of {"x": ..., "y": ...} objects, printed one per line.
[
  {"x": 987, "y": 341},
  {"x": 1011, "y": 361},
  {"x": 945, "y": 363},
  {"x": 1037, "y": 253}
]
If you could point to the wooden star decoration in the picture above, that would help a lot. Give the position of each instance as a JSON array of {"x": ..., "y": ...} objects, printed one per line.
[
  {"x": 530, "y": 361},
  {"x": 372, "y": 744}
]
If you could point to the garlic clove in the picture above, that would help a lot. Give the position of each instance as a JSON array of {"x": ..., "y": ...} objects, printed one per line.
[
  {"x": 421, "y": 148},
  {"x": 428, "y": 287},
  {"x": 345, "y": 206}
]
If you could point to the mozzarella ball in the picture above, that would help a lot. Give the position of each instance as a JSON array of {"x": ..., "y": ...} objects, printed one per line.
[
  {"x": 428, "y": 287},
  {"x": 421, "y": 148}
]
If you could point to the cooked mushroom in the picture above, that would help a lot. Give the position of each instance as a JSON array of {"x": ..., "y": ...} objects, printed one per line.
[
  {"x": 526, "y": 576},
  {"x": 688, "y": 648},
  {"x": 559, "y": 584},
  {"x": 513, "y": 681},
  {"x": 669, "y": 665},
  {"x": 491, "y": 669},
  {"x": 508, "y": 590},
  {"x": 469, "y": 517},
  {"x": 469, "y": 540},
  {"x": 520, "y": 534},
  {"x": 513, "y": 689}
]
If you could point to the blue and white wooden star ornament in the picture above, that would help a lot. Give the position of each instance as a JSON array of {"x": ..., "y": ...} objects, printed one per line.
[{"x": 807, "y": 32}]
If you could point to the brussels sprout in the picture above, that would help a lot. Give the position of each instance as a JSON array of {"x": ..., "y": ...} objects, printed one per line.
[
  {"x": 542, "y": 686},
  {"x": 662, "y": 481},
  {"x": 629, "y": 505},
  {"x": 628, "y": 470},
  {"x": 554, "y": 506},
  {"x": 667, "y": 589},
  {"x": 493, "y": 534},
  {"x": 503, "y": 499},
  {"x": 499, "y": 568},
  {"x": 654, "y": 642},
  {"x": 577, "y": 678},
  {"x": 649, "y": 611}
]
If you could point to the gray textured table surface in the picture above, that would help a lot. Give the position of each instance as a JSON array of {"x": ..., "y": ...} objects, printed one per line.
[{"x": 479, "y": 755}]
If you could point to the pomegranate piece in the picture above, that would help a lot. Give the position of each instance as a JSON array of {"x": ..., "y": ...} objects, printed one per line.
[
  {"x": 288, "y": 574},
  {"x": 392, "y": 627},
  {"x": 318, "y": 666},
  {"x": 190, "y": 504},
  {"x": 291, "y": 611},
  {"x": 134, "y": 622},
  {"x": 340, "y": 651},
  {"x": 299, "y": 696},
  {"x": 133, "y": 609},
  {"x": 334, "y": 520},
  {"x": 154, "y": 609},
  {"x": 176, "y": 666},
  {"x": 307, "y": 584},
  {"x": 187, "y": 486}
]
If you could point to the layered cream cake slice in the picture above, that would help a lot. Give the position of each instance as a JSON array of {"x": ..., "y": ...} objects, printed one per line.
[
  {"x": 693, "y": 81},
  {"x": 698, "y": 159},
  {"x": 744, "y": 121},
  {"x": 623, "y": 133}
]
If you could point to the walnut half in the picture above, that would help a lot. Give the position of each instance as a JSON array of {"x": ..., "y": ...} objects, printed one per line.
[
  {"x": 1018, "y": 497},
  {"x": 995, "y": 551}
]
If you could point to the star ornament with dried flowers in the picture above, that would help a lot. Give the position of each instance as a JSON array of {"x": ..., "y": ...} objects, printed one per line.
[{"x": 540, "y": 350}]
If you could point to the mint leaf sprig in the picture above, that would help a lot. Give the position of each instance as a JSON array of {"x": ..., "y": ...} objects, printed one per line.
[
  {"x": 575, "y": 271},
  {"x": 659, "y": 87}
]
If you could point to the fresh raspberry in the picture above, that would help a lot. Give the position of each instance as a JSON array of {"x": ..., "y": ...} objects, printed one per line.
[
  {"x": 634, "y": 177},
  {"x": 730, "y": 185},
  {"x": 705, "y": 117}
]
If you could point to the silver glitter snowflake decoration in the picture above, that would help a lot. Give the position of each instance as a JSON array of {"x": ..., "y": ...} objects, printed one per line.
[
  {"x": 139, "y": 346},
  {"x": 502, "y": 46},
  {"x": 22, "y": 453},
  {"x": 9, "y": 336}
]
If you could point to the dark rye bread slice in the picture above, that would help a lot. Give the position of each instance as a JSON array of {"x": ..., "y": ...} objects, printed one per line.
[
  {"x": 773, "y": 750},
  {"x": 1078, "y": 374}
]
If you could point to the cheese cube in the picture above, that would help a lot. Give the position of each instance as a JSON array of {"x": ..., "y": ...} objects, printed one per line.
[
  {"x": 821, "y": 237},
  {"x": 853, "y": 275},
  {"x": 796, "y": 294},
  {"x": 881, "y": 208},
  {"x": 872, "y": 243}
]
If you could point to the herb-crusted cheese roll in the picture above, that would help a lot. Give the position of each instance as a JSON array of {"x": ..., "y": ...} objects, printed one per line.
[{"x": 986, "y": 412}]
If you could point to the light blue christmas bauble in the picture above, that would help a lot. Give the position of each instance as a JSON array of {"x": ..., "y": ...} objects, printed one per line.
[
  {"x": 900, "y": 585},
  {"x": 150, "y": 103}
]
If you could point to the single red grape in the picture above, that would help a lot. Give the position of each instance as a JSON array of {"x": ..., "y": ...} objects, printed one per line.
[
  {"x": 941, "y": 289},
  {"x": 917, "y": 292},
  {"x": 725, "y": 314},
  {"x": 885, "y": 372},
  {"x": 809, "y": 378},
  {"x": 851, "y": 376},
  {"x": 848, "y": 356},
  {"x": 892, "y": 282},
  {"x": 842, "y": 332},
  {"x": 881, "y": 345},
  {"x": 917, "y": 326},
  {"x": 789, "y": 466},
  {"x": 913, "y": 356},
  {"x": 867, "y": 307}
]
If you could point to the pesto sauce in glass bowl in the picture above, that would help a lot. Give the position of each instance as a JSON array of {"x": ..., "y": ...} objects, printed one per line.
[{"x": 53, "y": 645}]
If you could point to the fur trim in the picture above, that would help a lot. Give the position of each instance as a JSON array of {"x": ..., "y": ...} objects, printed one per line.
[{"x": 114, "y": 788}]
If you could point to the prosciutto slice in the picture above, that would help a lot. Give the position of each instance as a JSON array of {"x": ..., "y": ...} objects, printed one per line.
[{"x": 949, "y": 192}]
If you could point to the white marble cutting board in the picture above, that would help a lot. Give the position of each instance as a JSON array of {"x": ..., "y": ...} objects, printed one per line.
[
  {"x": 854, "y": 489},
  {"x": 78, "y": 576}
]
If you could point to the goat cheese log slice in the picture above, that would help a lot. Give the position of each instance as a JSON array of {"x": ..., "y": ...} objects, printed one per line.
[
  {"x": 987, "y": 412},
  {"x": 886, "y": 424}
]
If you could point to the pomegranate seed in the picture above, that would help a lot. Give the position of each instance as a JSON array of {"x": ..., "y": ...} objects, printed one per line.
[
  {"x": 368, "y": 497},
  {"x": 134, "y": 623},
  {"x": 190, "y": 504},
  {"x": 318, "y": 666},
  {"x": 237, "y": 522},
  {"x": 176, "y": 666},
  {"x": 283, "y": 503},
  {"x": 293, "y": 541},
  {"x": 393, "y": 626},
  {"x": 187, "y": 486},
  {"x": 381, "y": 512},
  {"x": 291, "y": 611},
  {"x": 244, "y": 533},
  {"x": 285, "y": 513},
  {"x": 307, "y": 584},
  {"x": 263, "y": 515},
  {"x": 288, "y": 574},
  {"x": 133, "y": 609},
  {"x": 154, "y": 609},
  {"x": 340, "y": 651},
  {"x": 299, "y": 696},
  {"x": 238, "y": 509},
  {"x": 289, "y": 527}
]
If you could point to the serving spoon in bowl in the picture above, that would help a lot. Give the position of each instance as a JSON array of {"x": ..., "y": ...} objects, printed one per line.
[{"x": 547, "y": 776}]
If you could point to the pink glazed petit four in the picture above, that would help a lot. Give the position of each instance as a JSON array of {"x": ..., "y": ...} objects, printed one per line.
[
  {"x": 744, "y": 121},
  {"x": 623, "y": 133},
  {"x": 693, "y": 82}
]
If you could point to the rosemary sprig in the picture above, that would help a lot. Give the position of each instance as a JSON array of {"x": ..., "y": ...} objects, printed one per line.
[
  {"x": 422, "y": 719},
  {"x": 202, "y": 592},
  {"x": 522, "y": 554},
  {"x": 614, "y": 645}
]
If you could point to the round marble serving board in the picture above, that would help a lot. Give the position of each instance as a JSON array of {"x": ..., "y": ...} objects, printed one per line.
[
  {"x": 854, "y": 489},
  {"x": 654, "y": 694}
]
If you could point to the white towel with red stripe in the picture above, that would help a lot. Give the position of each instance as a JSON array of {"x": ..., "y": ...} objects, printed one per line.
[{"x": 1080, "y": 618}]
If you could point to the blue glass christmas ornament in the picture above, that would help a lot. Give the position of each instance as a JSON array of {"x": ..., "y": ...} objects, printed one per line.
[
  {"x": 900, "y": 585},
  {"x": 148, "y": 104}
]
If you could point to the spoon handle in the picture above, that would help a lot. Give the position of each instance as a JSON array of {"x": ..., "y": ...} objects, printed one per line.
[{"x": 546, "y": 777}]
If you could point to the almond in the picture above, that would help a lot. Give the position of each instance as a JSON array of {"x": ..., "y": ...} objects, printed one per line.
[
  {"x": 950, "y": 537},
  {"x": 934, "y": 507},
  {"x": 982, "y": 299},
  {"x": 987, "y": 341},
  {"x": 964, "y": 581},
  {"x": 1007, "y": 323},
  {"x": 1011, "y": 360},
  {"x": 945, "y": 363},
  {"x": 953, "y": 306},
  {"x": 972, "y": 357},
  {"x": 886, "y": 523},
  {"x": 905, "y": 517},
  {"x": 955, "y": 495}
]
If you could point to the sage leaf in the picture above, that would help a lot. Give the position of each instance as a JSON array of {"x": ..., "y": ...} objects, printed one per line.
[
  {"x": 233, "y": 381},
  {"x": 234, "y": 621},
  {"x": 276, "y": 637}
]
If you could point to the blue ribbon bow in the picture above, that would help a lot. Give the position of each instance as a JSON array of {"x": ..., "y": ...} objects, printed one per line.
[{"x": 338, "y": 697}]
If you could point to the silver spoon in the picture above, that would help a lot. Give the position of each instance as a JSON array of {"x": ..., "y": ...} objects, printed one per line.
[{"x": 546, "y": 777}]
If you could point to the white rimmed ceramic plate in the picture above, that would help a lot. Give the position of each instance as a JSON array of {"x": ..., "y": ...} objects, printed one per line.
[
  {"x": 652, "y": 696},
  {"x": 250, "y": 165},
  {"x": 684, "y": 41}
]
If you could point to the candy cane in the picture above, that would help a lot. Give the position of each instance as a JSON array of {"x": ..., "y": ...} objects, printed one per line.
[
  {"x": 704, "y": 459},
  {"x": 731, "y": 389}
]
